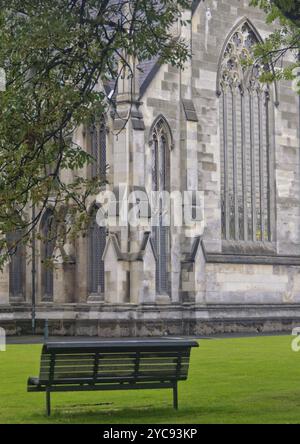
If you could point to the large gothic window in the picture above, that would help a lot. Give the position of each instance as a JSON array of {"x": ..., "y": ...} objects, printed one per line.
[
  {"x": 160, "y": 184},
  {"x": 99, "y": 149},
  {"x": 245, "y": 140},
  {"x": 48, "y": 242},
  {"x": 96, "y": 247},
  {"x": 17, "y": 266}
]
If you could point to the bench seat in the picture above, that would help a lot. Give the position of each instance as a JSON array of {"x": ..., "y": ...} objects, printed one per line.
[{"x": 112, "y": 365}]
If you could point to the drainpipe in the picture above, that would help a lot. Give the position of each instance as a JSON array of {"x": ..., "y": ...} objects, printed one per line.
[{"x": 33, "y": 274}]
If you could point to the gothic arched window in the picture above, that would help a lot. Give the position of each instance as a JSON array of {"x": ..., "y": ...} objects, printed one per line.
[
  {"x": 161, "y": 138},
  {"x": 96, "y": 247},
  {"x": 99, "y": 149},
  {"x": 48, "y": 242},
  {"x": 245, "y": 140},
  {"x": 17, "y": 266}
]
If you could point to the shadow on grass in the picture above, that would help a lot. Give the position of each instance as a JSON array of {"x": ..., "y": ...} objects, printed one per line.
[
  {"x": 97, "y": 413},
  {"x": 99, "y": 404},
  {"x": 144, "y": 414}
]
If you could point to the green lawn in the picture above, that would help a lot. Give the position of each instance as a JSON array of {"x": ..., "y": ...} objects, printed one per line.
[{"x": 253, "y": 380}]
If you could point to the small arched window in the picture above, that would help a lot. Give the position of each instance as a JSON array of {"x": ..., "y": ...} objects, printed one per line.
[
  {"x": 96, "y": 247},
  {"x": 99, "y": 149},
  {"x": 48, "y": 243},
  {"x": 161, "y": 140},
  {"x": 245, "y": 140}
]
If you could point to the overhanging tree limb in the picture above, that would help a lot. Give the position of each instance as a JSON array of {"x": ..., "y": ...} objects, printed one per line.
[
  {"x": 290, "y": 9},
  {"x": 56, "y": 53}
]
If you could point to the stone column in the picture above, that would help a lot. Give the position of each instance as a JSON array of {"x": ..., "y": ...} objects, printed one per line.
[
  {"x": 64, "y": 274},
  {"x": 143, "y": 273},
  {"x": 116, "y": 273},
  {"x": 129, "y": 174},
  {"x": 81, "y": 270},
  {"x": 4, "y": 285},
  {"x": 189, "y": 150},
  {"x": 63, "y": 283}
]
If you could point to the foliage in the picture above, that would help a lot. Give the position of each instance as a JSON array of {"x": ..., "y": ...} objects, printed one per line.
[
  {"x": 282, "y": 47},
  {"x": 57, "y": 55}
]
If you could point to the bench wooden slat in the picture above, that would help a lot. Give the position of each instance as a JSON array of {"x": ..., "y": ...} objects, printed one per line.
[
  {"x": 112, "y": 379},
  {"x": 78, "y": 367},
  {"x": 103, "y": 355},
  {"x": 47, "y": 358},
  {"x": 115, "y": 370},
  {"x": 119, "y": 364},
  {"x": 112, "y": 366},
  {"x": 153, "y": 375},
  {"x": 120, "y": 369}
]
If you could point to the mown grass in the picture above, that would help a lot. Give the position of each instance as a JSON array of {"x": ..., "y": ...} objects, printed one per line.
[{"x": 251, "y": 380}]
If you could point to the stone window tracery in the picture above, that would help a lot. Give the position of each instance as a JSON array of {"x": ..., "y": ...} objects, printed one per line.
[{"x": 245, "y": 140}]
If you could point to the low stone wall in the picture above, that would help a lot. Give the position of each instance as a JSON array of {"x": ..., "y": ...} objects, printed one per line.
[{"x": 146, "y": 321}]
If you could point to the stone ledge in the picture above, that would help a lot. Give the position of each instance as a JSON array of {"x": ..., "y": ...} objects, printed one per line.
[
  {"x": 256, "y": 258},
  {"x": 215, "y": 258},
  {"x": 119, "y": 329},
  {"x": 154, "y": 320}
]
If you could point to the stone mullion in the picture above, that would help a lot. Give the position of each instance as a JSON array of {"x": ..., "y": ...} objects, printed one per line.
[
  {"x": 163, "y": 232},
  {"x": 244, "y": 162},
  {"x": 155, "y": 166},
  {"x": 261, "y": 167},
  {"x": 95, "y": 152},
  {"x": 270, "y": 201},
  {"x": 155, "y": 187},
  {"x": 253, "y": 175},
  {"x": 161, "y": 189},
  {"x": 102, "y": 150},
  {"x": 226, "y": 184},
  {"x": 235, "y": 166}
]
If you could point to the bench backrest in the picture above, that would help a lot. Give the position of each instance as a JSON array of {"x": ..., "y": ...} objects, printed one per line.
[{"x": 130, "y": 361}]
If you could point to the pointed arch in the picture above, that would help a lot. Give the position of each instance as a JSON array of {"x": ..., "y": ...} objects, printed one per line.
[
  {"x": 161, "y": 123},
  {"x": 246, "y": 157},
  {"x": 48, "y": 231},
  {"x": 244, "y": 27}
]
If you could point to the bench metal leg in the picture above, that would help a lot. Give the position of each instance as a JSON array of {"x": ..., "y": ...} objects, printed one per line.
[
  {"x": 48, "y": 403},
  {"x": 175, "y": 396}
]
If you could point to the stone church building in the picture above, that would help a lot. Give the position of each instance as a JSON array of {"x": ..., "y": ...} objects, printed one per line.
[{"x": 213, "y": 128}]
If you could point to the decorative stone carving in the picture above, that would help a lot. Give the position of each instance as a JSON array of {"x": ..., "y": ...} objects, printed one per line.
[{"x": 234, "y": 72}]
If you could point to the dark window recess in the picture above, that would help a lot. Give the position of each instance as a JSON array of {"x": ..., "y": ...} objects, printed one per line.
[
  {"x": 16, "y": 266},
  {"x": 96, "y": 246},
  {"x": 49, "y": 237},
  {"x": 160, "y": 183},
  {"x": 98, "y": 135}
]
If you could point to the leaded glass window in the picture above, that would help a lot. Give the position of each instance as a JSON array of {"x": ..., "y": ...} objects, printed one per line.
[
  {"x": 16, "y": 266},
  {"x": 160, "y": 183},
  {"x": 48, "y": 240},
  {"x": 99, "y": 149},
  {"x": 96, "y": 247},
  {"x": 245, "y": 140}
]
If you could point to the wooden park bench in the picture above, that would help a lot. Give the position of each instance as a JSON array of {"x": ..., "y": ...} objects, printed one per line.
[{"x": 112, "y": 365}]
